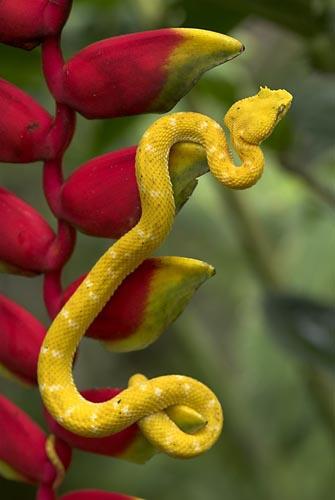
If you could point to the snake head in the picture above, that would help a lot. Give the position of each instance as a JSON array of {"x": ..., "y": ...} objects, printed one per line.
[{"x": 253, "y": 119}]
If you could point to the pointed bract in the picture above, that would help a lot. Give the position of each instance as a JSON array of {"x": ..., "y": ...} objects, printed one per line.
[
  {"x": 101, "y": 197},
  {"x": 140, "y": 72},
  {"x": 21, "y": 337},
  {"x": 24, "y": 126},
  {"x": 23, "y": 455},
  {"x": 25, "y": 24},
  {"x": 25, "y": 236},
  {"x": 147, "y": 301}
]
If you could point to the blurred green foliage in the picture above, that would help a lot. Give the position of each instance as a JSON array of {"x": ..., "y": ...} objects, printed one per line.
[{"x": 273, "y": 244}]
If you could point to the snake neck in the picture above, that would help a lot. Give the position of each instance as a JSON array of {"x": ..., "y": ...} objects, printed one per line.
[
  {"x": 252, "y": 159},
  {"x": 200, "y": 129},
  {"x": 226, "y": 171}
]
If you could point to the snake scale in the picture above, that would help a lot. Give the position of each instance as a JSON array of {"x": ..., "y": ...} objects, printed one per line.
[{"x": 250, "y": 121}]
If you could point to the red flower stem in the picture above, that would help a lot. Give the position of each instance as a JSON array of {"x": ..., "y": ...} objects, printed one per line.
[
  {"x": 59, "y": 139},
  {"x": 45, "y": 492},
  {"x": 64, "y": 124},
  {"x": 52, "y": 63},
  {"x": 62, "y": 246},
  {"x": 53, "y": 292},
  {"x": 52, "y": 184}
]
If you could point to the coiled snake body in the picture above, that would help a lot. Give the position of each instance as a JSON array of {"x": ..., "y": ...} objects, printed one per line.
[{"x": 250, "y": 121}]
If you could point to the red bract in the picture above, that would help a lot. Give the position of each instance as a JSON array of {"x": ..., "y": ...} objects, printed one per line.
[
  {"x": 96, "y": 495},
  {"x": 101, "y": 197},
  {"x": 28, "y": 244},
  {"x": 23, "y": 455},
  {"x": 139, "y": 73},
  {"x": 147, "y": 301},
  {"x": 129, "y": 444},
  {"x": 28, "y": 132},
  {"x": 25, "y": 236},
  {"x": 21, "y": 336},
  {"x": 24, "y": 126},
  {"x": 25, "y": 23}
]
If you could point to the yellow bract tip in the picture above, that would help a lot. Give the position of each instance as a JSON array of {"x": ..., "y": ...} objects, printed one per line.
[{"x": 186, "y": 418}]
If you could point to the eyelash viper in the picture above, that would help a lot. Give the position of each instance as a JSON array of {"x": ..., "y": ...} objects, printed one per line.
[{"x": 249, "y": 121}]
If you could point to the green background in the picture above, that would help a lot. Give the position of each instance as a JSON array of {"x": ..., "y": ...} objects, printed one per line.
[{"x": 260, "y": 333}]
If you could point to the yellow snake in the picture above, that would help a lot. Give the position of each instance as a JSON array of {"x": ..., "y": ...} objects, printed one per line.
[{"x": 250, "y": 121}]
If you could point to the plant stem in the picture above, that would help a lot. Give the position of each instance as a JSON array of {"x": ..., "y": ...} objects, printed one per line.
[
  {"x": 322, "y": 191},
  {"x": 53, "y": 292},
  {"x": 254, "y": 240}
]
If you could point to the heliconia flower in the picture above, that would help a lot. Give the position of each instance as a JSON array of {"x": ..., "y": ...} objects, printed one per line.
[
  {"x": 28, "y": 131},
  {"x": 96, "y": 495},
  {"x": 21, "y": 336},
  {"x": 28, "y": 245},
  {"x": 141, "y": 72},
  {"x": 25, "y": 24},
  {"x": 147, "y": 301},
  {"x": 129, "y": 444},
  {"x": 101, "y": 197},
  {"x": 23, "y": 448}
]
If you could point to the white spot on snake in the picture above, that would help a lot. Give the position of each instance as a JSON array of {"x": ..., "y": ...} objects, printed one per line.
[
  {"x": 56, "y": 354},
  {"x": 42, "y": 387},
  {"x": 196, "y": 446},
  {"x": 44, "y": 350},
  {"x": 217, "y": 125},
  {"x": 211, "y": 403},
  {"x": 55, "y": 388},
  {"x": 73, "y": 324},
  {"x": 115, "y": 404},
  {"x": 93, "y": 417},
  {"x": 112, "y": 253},
  {"x": 111, "y": 272},
  {"x": 143, "y": 387},
  {"x": 173, "y": 122},
  {"x": 204, "y": 125},
  {"x": 141, "y": 233},
  {"x": 155, "y": 194},
  {"x": 186, "y": 387},
  {"x": 69, "y": 411},
  {"x": 221, "y": 156},
  {"x": 93, "y": 296},
  {"x": 148, "y": 147},
  {"x": 158, "y": 391},
  {"x": 125, "y": 410},
  {"x": 65, "y": 313},
  {"x": 88, "y": 283},
  {"x": 211, "y": 149},
  {"x": 180, "y": 377}
]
